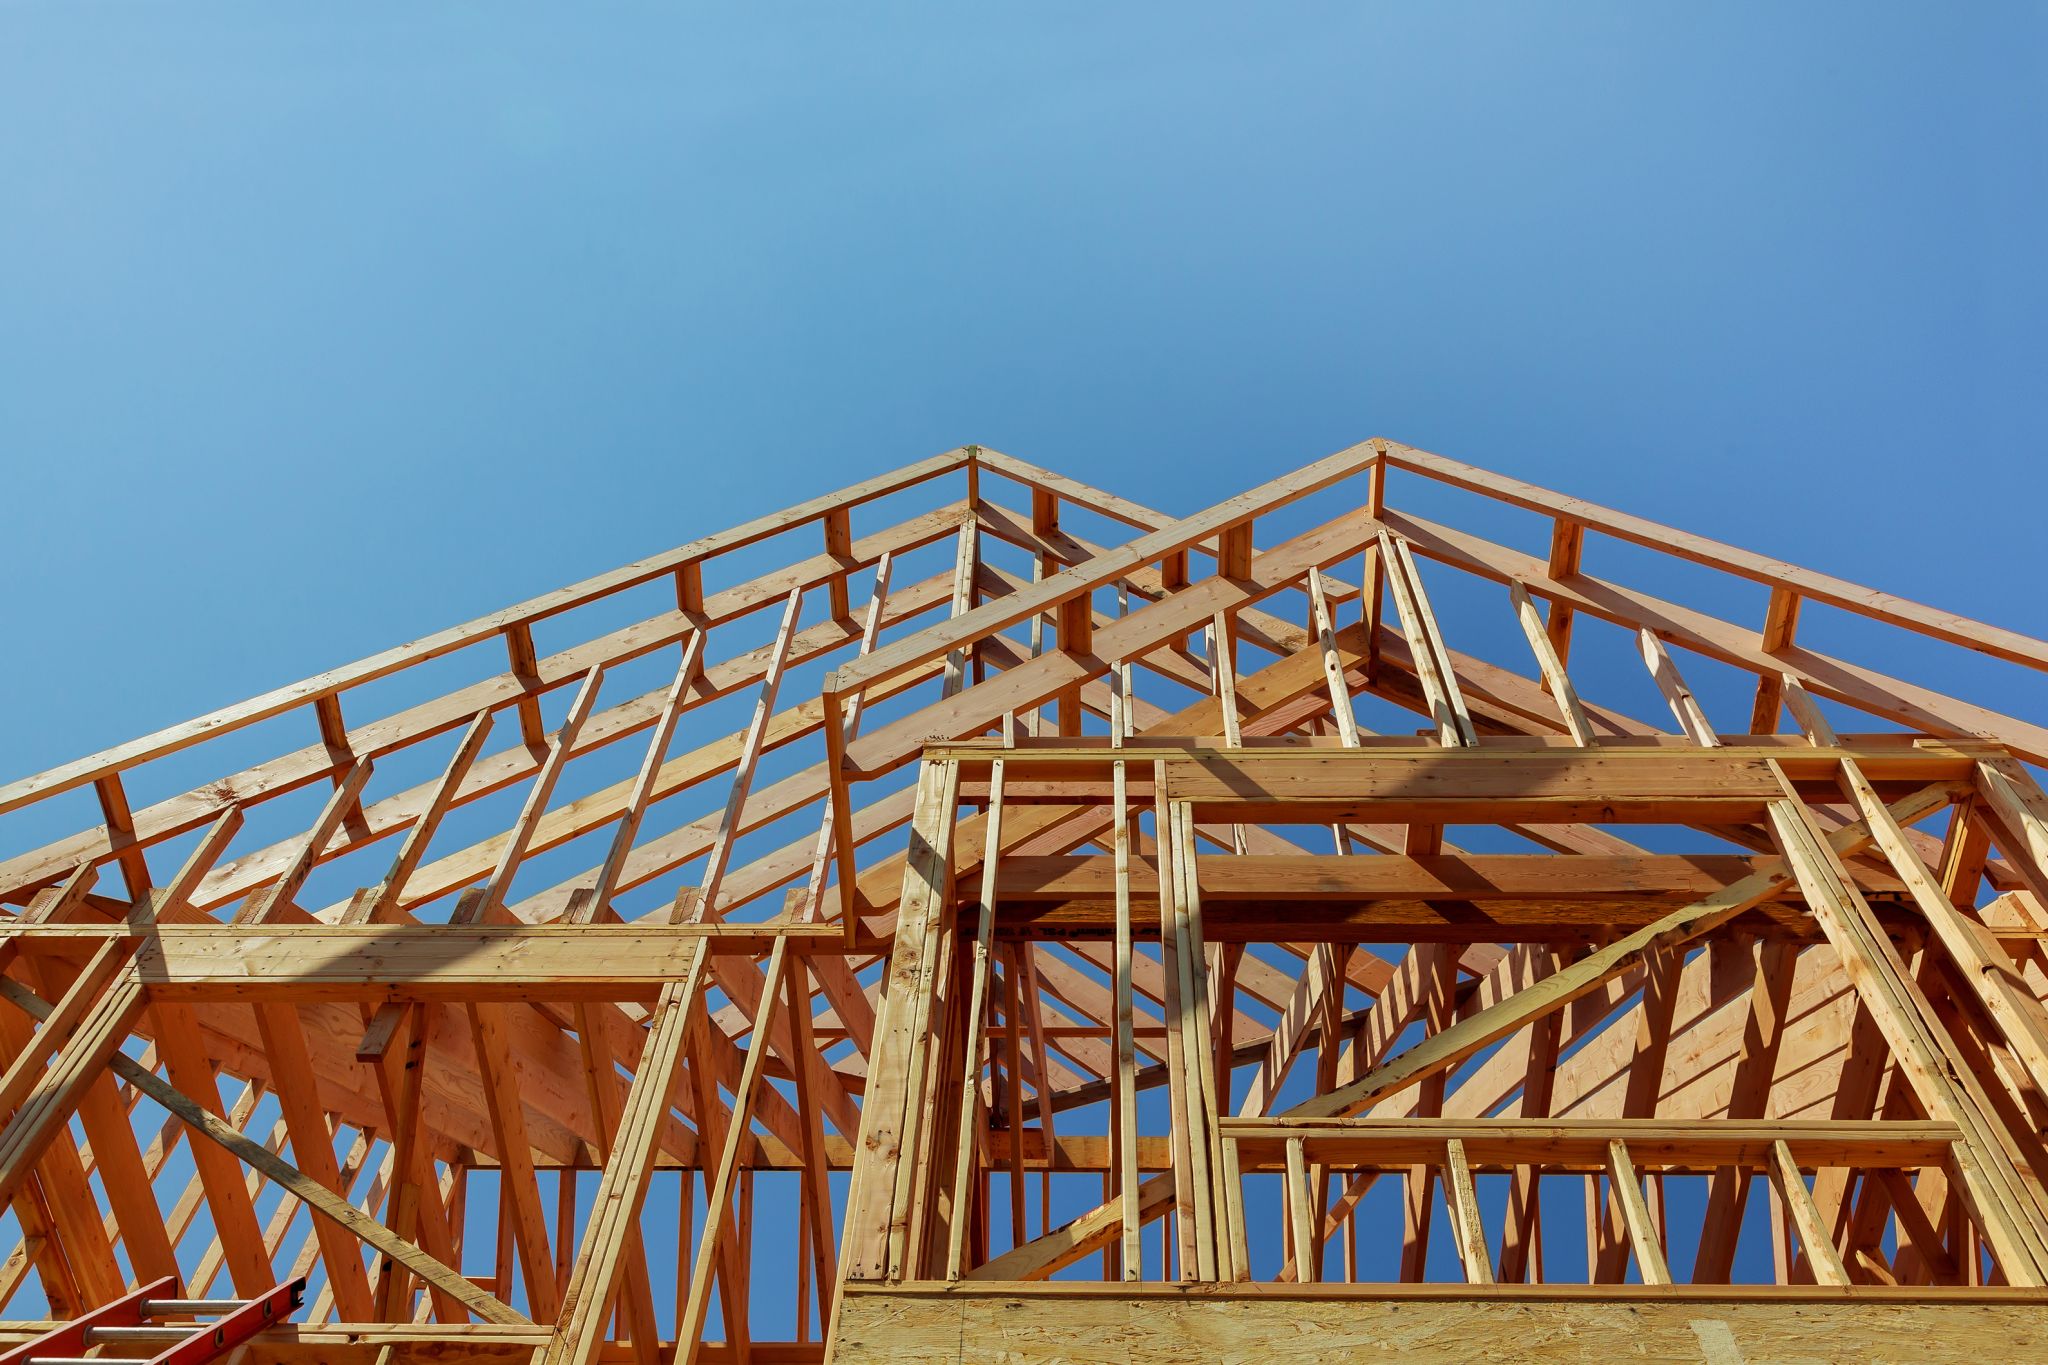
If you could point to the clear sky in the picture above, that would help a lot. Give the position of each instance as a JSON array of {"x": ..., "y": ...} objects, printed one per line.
[{"x": 323, "y": 327}]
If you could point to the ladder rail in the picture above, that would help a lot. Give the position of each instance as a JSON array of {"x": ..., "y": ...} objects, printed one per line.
[
  {"x": 127, "y": 1319},
  {"x": 212, "y": 1340},
  {"x": 68, "y": 1340}
]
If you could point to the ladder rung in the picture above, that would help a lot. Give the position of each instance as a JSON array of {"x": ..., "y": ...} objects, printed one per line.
[
  {"x": 67, "y": 1341},
  {"x": 185, "y": 1343},
  {"x": 155, "y": 1331}
]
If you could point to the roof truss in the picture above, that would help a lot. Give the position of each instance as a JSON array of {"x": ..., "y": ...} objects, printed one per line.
[{"x": 1058, "y": 870}]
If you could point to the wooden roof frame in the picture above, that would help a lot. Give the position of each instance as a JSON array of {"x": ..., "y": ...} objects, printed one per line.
[{"x": 957, "y": 992}]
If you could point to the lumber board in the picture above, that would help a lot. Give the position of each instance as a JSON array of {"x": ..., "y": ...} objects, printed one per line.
[{"x": 1322, "y": 1322}]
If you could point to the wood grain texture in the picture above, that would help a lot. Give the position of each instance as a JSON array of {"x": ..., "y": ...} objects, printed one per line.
[{"x": 970, "y": 1329}]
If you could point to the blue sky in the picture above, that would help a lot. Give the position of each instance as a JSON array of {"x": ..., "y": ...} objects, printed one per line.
[{"x": 320, "y": 329}]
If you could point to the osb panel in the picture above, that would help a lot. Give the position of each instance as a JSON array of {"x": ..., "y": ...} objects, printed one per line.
[{"x": 988, "y": 1328}]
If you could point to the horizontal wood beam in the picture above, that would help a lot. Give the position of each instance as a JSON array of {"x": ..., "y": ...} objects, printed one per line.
[
  {"x": 1582, "y": 1145},
  {"x": 1063, "y": 1319},
  {"x": 1025, "y": 880},
  {"x": 454, "y": 963}
]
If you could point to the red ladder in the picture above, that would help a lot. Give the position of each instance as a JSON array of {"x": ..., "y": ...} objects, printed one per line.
[{"x": 235, "y": 1321}]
